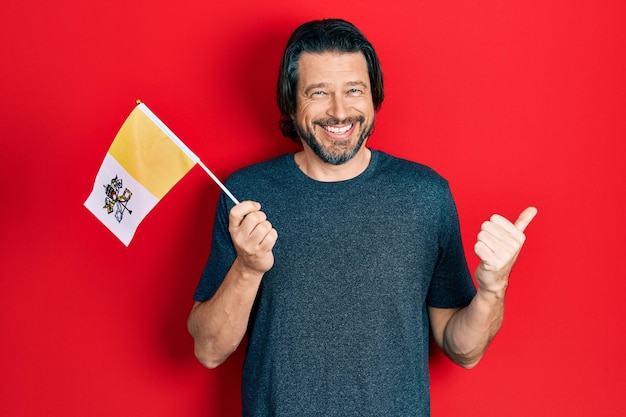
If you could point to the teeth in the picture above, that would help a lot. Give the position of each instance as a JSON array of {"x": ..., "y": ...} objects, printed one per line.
[{"x": 338, "y": 130}]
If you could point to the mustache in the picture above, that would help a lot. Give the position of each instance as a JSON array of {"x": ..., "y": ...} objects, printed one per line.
[{"x": 331, "y": 121}]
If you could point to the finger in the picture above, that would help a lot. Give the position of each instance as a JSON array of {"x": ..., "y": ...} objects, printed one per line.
[
  {"x": 253, "y": 220},
  {"x": 483, "y": 251},
  {"x": 502, "y": 243},
  {"x": 499, "y": 227},
  {"x": 269, "y": 240},
  {"x": 240, "y": 211},
  {"x": 492, "y": 238},
  {"x": 257, "y": 229},
  {"x": 525, "y": 218}
]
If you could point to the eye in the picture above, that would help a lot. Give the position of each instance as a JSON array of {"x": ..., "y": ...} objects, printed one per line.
[
  {"x": 317, "y": 93},
  {"x": 354, "y": 91}
]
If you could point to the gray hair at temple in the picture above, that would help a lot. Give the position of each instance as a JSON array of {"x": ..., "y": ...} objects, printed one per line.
[{"x": 317, "y": 36}]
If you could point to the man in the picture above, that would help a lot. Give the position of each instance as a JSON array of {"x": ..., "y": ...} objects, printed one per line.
[{"x": 337, "y": 307}]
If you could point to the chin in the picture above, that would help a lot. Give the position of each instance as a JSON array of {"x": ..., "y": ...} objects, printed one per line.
[
  {"x": 345, "y": 152},
  {"x": 337, "y": 158}
]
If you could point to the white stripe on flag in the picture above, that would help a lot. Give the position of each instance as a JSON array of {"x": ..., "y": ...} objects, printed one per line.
[{"x": 125, "y": 215}]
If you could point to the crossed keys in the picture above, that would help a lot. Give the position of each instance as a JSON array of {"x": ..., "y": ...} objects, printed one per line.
[{"x": 115, "y": 200}]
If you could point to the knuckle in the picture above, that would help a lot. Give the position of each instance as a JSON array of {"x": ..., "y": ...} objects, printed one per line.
[
  {"x": 259, "y": 216},
  {"x": 263, "y": 227},
  {"x": 522, "y": 239},
  {"x": 272, "y": 235},
  {"x": 477, "y": 246},
  {"x": 253, "y": 217}
]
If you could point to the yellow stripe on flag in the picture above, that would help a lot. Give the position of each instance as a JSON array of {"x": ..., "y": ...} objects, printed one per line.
[{"x": 149, "y": 155}]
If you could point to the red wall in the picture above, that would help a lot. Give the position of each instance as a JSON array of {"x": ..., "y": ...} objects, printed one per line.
[{"x": 516, "y": 103}]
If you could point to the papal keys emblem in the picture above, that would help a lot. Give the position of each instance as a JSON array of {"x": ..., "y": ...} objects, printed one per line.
[{"x": 114, "y": 201}]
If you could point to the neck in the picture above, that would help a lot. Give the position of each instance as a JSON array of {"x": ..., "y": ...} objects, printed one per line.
[{"x": 315, "y": 168}]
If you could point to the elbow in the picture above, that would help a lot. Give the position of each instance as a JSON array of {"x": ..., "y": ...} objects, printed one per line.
[
  {"x": 209, "y": 356},
  {"x": 202, "y": 348},
  {"x": 468, "y": 361},
  {"x": 468, "y": 364},
  {"x": 206, "y": 359},
  {"x": 465, "y": 359},
  {"x": 210, "y": 350}
]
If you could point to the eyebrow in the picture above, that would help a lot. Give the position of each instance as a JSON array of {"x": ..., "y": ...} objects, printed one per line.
[
  {"x": 357, "y": 83},
  {"x": 314, "y": 87},
  {"x": 323, "y": 85}
]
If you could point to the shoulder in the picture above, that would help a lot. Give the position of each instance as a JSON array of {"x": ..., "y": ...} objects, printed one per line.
[
  {"x": 261, "y": 171},
  {"x": 262, "y": 179},
  {"x": 408, "y": 173}
]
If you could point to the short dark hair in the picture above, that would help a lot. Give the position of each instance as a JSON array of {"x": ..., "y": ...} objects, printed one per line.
[{"x": 317, "y": 36}]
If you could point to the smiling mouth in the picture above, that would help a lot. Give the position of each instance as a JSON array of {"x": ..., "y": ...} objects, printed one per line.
[
  {"x": 338, "y": 130},
  {"x": 339, "y": 127}
]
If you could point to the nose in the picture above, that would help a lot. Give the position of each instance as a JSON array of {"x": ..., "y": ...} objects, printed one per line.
[{"x": 339, "y": 107}]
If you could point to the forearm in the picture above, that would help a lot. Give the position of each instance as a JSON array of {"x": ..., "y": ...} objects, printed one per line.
[
  {"x": 470, "y": 330},
  {"x": 219, "y": 324}
]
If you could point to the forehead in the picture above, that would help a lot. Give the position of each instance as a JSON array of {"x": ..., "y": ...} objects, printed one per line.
[{"x": 332, "y": 68}]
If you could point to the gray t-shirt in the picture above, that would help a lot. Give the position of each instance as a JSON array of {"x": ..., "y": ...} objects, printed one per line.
[{"x": 340, "y": 324}]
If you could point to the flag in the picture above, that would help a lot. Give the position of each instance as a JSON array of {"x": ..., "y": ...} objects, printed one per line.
[{"x": 143, "y": 163}]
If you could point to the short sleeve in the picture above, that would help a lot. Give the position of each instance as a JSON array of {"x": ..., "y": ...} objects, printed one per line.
[{"x": 451, "y": 285}]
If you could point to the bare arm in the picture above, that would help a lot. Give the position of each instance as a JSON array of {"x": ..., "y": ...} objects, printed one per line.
[
  {"x": 464, "y": 334},
  {"x": 219, "y": 324}
]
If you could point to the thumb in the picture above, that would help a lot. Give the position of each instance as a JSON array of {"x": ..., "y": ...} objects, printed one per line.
[{"x": 525, "y": 218}]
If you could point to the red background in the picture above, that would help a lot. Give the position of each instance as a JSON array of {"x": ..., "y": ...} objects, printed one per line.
[{"x": 516, "y": 103}]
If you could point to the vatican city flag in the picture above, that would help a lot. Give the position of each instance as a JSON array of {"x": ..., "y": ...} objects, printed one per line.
[{"x": 143, "y": 163}]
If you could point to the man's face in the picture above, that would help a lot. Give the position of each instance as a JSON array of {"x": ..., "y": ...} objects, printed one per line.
[{"x": 335, "y": 113}]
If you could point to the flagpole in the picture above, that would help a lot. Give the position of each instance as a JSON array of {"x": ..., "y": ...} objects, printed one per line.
[{"x": 218, "y": 182}]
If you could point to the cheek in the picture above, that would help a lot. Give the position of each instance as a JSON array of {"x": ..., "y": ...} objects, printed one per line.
[
  {"x": 306, "y": 113},
  {"x": 365, "y": 106}
]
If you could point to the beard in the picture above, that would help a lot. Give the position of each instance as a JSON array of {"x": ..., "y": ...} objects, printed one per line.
[{"x": 341, "y": 152}]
